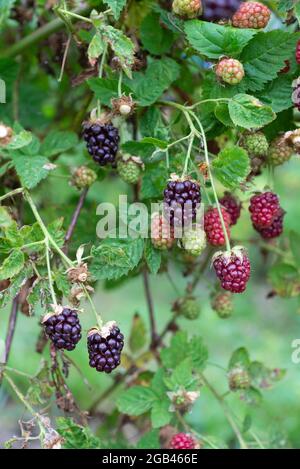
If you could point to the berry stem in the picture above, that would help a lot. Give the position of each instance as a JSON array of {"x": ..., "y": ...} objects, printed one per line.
[
  {"x": 100, "y": 73},
  {"x": 48, "y": 236},
  {"x": 120, "y": 83},
  {"x": 188, "y": 155},
  {"x": 74, "y": 15},
  {"x": 47, "y": 249},
  {"x": 228, "y": 248},
  {"x": 208, "y": 101},
  {"x": 96, "y": 314}
]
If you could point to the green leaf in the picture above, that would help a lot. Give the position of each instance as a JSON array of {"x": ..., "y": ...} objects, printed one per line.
[
  {"x": 198, "y": 352},
  {"x": 182, "y": 376},
  {"x": 12, "y": 265},
  {"x": 5, "y": 218},
  {"x": 31, "y": 169},
  {"x": 285, "y": 279},
  {"x": 95, "y": 48},
  {"x": 222, "y": 114},
  {"x": 76, "y": 436},
  {"x": 155, "y": 39},
  {"x": 149, "y": 440},
  {"x": 155, "y": 141},
  {"x": 19, "y": 140},
  {"x": 122, "y": 46},
  {"x": 248, "y": 112},
  {"x": 251, "y": 396},
  {"x": 116, "y": 6},
  {"x": 106, "y": 89},
  {"x": 149, "y": 86},
  {"x": 137, "y": 339},
  {"x": 176, "y": 351},
  {"x": 142, "y": 149},
  {"x": 264, "y": 57},
  {"x": 213, "y": 40},
  {"x": 153, "y": 257},
  {"x": 115, "y": 258},
  {"x": 231, "y": 166},
  {"x": 240, "y": 357},
  {"x": 136, "y": 400},
  {"x": 160, "y": 414},
  {"x": 151, "y": 124},
  {"x": 277, "y": 93},
  {"x": 58, "y": 142}
]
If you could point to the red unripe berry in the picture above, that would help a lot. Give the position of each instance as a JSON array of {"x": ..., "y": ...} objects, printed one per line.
[
  {"x": 251, "y": 15},
  {"x": 264, "y": 208},
  {"x": 233, "y": 207},
  {"x": 233, "y": 269},
  {"x": 213, "y": 226},
  {"x": 183, "y": 441},
  {"x": 274, "y": 230},
  {"x": 297, "y": 53}
]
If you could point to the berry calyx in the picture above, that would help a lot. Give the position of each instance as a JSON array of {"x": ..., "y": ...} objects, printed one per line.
[
  {"x": 130, "y": 168},
  {"x": 238, "y": 379},
  {"x": 255, "y": 143},
  {"x": 83, "y": 177},
  {"x": 181, "y": 199},
  {"x": 213, "y": 226},
  {"x": 215, "y": 10},
  {"x": 193, "y": 240},
  {"x": 297, "y": 52},
  {"x": 264, "y": 208},
  {"x": 187, "y": 8},
  {"x": 63, "y": 328},
  {"x": 183, "y": 441},
  {"x": 279, "y": 152},
  {"x": 230, "y": 71},
  {"x": 275, "y": 229},
  {"x": 188, "y": 307},
  {"x": 105, "y": 346},
  {"x": 233, "y": 206},
  {"x": 162, "y": 234},
  {"x": 253, "y": 15},
  {"x": 102, "y": 140},
  {"x": 123, "y": 106},
  {"x": 221, "y": 303},
  {"x": 233, "y": 269}
]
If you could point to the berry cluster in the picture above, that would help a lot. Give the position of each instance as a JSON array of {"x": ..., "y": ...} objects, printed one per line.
[
  {"x": 275, "y": 229},
  {"x": 213, "y": 226},
  {"x": 83, "y": 177},
  {"x": 264, "y": 208},
  {"x": 230, "y": 71},
  {"x": 193, "y": 240},
  {"x": 102, "y": 142},
  {"x": 279, "y": 152},
  {"x": 233, "y": 206},
  {"x": 162, "y": 234},
  {"x": 129, "y": 168},
  {"x": 187, "y": 8},
  {"x": 183, "y": 441},
  {"x": 253, "y": 15},
  {"x": 221, "y": 303},
  {"x": 238, "y": 379},
  {"x": 181, "y": 198},
  {"x": 105, "y": 346},
  {"x": 189, "y": 308},
  {"x": 63, "y": 328}
]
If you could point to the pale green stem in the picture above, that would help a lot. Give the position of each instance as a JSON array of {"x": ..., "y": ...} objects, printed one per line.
[
  {"x": 120, "y": 83},
  {"x": 12, "y": 193},
  {"x": 50, "y": 281},
  {"x": 188, "y": 155},
  {"x": 74, "y": 15},
  {"x": 208, "y": 101},
  {"x": 96, "y": 314},
  {"x": 100, "y": 73}
]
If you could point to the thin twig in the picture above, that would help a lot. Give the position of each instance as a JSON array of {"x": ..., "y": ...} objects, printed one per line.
[
  {"x": 74, "y": 219},
  {"x": 150, "y": 307},
  {"x": 11, "y": 328}
]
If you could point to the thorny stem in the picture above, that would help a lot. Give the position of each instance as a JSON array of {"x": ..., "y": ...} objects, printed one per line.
[{"x": 227, "y": 413}]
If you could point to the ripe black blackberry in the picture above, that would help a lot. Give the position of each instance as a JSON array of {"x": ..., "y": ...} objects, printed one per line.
[
  {"x": 102, "y": 141},
  {"x": 181, "y": 198},
  {"x": 215, "y": 10},
  {"x": 105, "y": 346},
  {"x": 63, "y": 327}
]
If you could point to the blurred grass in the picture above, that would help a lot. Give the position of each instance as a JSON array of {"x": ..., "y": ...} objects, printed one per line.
[{"x": 266, "y": 327}]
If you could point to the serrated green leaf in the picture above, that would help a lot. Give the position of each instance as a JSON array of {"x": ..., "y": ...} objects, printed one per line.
[
  {"x": 160, "y": 414},
  {"x": 96, "y": 47},
  {"x": 116, "y": 6},
  {"x": 12, "y": 265},
  {"x": 222, "y": 114},
  {"x": 31, "y": 169},
  {"x": 19, "y": 140},
  {"x": 5, "y": 218},
  {"x": 265, "y": 56},
  {"x": 106, "y": 89},
  {"x": 58, "y": 142},
  {"x": 177, "y": 350},
  {"x": 231, "y": 166},
  {"x": 248, "y": 112},
  {"x": 115, "y": 258},
  {"x": 277, "y": 93},
  {"x": 182, "y": 376},
  {"x": 155, "y": 141},
  {"x": 213, "y": 40},
  {"x": 136, "y": 400},
  {"x": 198, "y": 353},
  {"x": 76, "y": 436},
  {"x": 122, "y": 46},
  {"x": 155, "y": 39}
]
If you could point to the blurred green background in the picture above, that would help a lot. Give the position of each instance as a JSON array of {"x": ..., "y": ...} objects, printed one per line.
[{"x": 266, "y": 327}]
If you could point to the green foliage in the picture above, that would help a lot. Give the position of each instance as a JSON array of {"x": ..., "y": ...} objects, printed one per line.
[{"x": 231, "y": 166}]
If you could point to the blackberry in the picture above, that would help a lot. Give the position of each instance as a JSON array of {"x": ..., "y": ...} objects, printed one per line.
[
  {"x": 183, "y": 441},
  {"x": 63, "y": 328},
  {"x": 162, "y": 234},
  {"x": 230, "y": 71},
  {"x": 255, "y": 143},
  {"x": 233, "y": 206},
  {"x": 233, "y": 269},
  {"x": 187, "y": 8},
  {"x": 83, "y": 177},
  {"x": 181, "y": 198},
  {"x": 253, "y": 15},
  {"x": 274, "y": 230},
  {"x": 215, "y": 10},
  {"x": 280, "y": 151},
  {"x": 102, "y": 141},
  {"x": 130, "y": 168},
  {"x": 213, "y": 226},
  {"x": 194, "y": 240},
  {"x": 221, "y": 303},
  {"x": 264, "y": 208},
  {"x": 105, "y": 346},
  {"x": 238, "y": 378}
]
